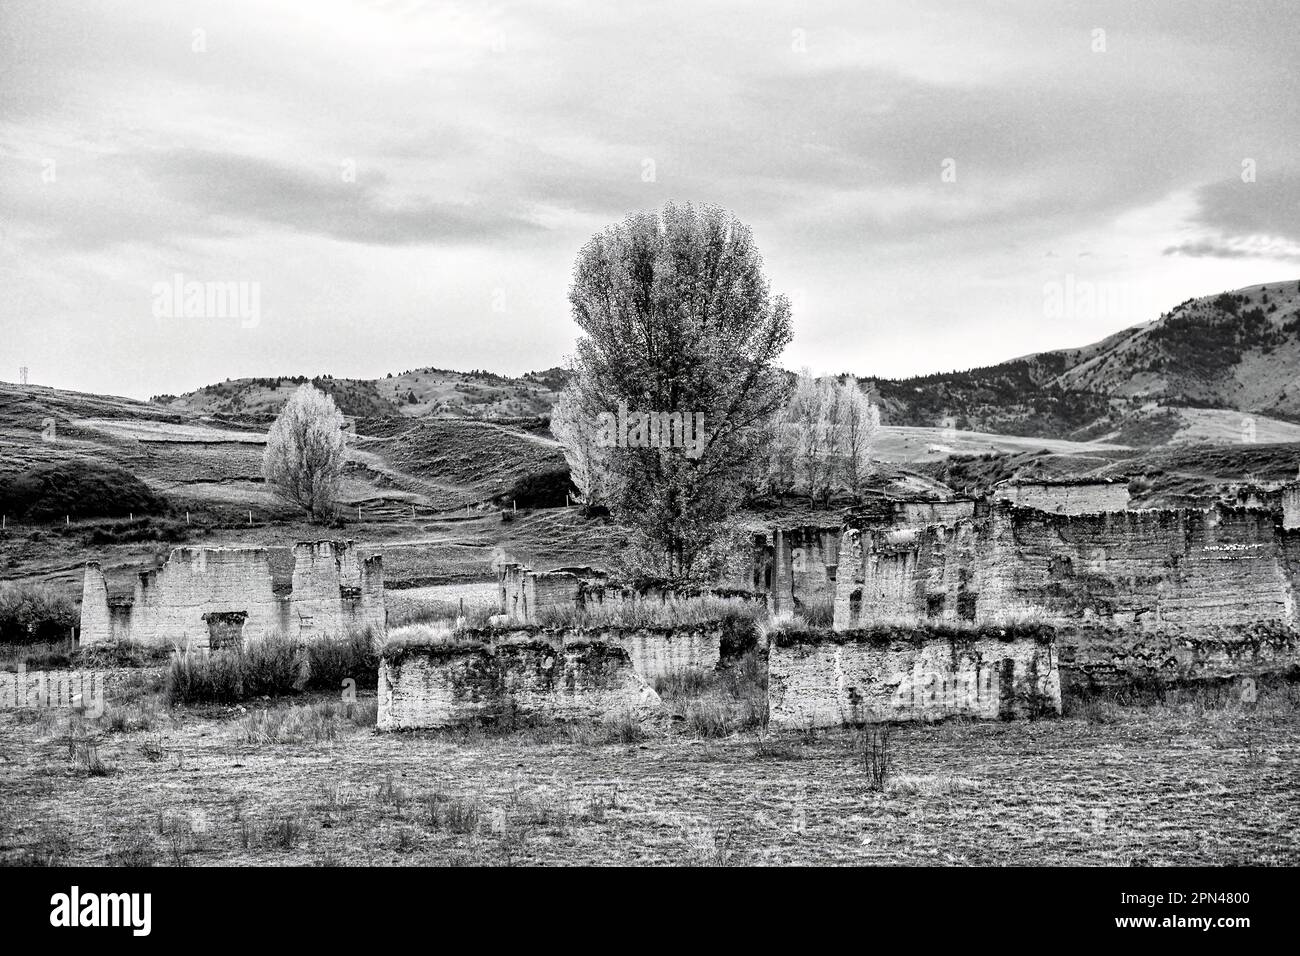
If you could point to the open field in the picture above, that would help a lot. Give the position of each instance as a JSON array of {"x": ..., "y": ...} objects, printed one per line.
[
  {"x": 1163, "y": 788},
  {"x": 1198, "y": 779},
  {"x": 902, "y": 443}
]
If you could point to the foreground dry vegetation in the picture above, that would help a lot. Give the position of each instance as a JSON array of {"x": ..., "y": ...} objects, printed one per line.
[{"x": 1197, "y": 777}]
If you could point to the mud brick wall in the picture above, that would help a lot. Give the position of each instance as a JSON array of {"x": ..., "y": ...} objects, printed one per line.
[
  {"x": 918, "y": 514},
  {"x": 915, "y": 575},
  {"x": 317, "y": 588},
  {"x": 1179, "y": 569},
  {"x": 170, "y": 603},
  {"x": 1066, "y": 498},
  {"x": 804, "y": 566},
  {"x": 1291, "y": 507},
  {"x": 526, "y": 594},
  {"x": 829, "y": 679},
  {"x": 1098, "y": 658},
  {"x": 439, "y": 686},
  {"x": 227, "y": 594},
  {"x": 660, "y": 652}
]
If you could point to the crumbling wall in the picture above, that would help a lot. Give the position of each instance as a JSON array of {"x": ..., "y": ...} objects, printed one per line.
[
  {"x": 368, "y": 610},
  {"x": 205, "y": 597},
  {"x": 829, "y": 679},
  {"x": 659, "y": 652},
  {"x": 1179, "y": 569},
  {"x": 442, "y": 685},
  {"x": 1073, "y": 498},
  {"x": 1291, "y": 507},
  {"x": 96, "y": 621},
  {"x": 170, "y": 603},
  {"x": 527, "y": 596},
  {"x": 804, "y": 565},
  {"x": 1174, "y": 580},
  {"x": 1094, "y": 658}
]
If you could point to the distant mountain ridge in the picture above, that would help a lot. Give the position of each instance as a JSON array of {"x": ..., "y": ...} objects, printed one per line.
[
  {"x": 1218, "y": 368},
  {"x": 1235, "y": 352}
]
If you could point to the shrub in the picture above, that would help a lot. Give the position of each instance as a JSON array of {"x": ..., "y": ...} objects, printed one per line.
[
  {"x": 543, "y": 489},
  {"x": 708, "y": 718},
  {"x": 269, "y": 667},
  {"x": 331, "y": 662},
  {"x": 34, "y": 614},
  {"x": 80, "y": 488}
]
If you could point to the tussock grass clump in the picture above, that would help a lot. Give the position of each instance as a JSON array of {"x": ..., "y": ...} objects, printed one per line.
[
  {"x": 709, "y": 719},
  {"x": 817, "y": 611},
  {"x": 54, "y": 655},
  {"x": 334, "y": 660},
  {"x": 939, "y": 785},
  {"x": 623, "y": 728},
  {"x": 688, "y": 682},
  {"x": 312, "y": 723},
  {"x": 653, "y": 613},
  {"x": 441, "y": 613},
  {"x": 791, "y": 631},
  {"x": 427, "y": 637},
  {"x": 455, "y": 814},
  {"x": 271, "y": 667}
]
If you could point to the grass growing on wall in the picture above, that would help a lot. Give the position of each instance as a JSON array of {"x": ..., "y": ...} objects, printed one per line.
[
  {"x": 671, "y": 612},
  {"x": 789, "y": 632}
]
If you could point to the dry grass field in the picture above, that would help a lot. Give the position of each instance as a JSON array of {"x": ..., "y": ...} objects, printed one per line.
[{"x": 1197, "y": 779}]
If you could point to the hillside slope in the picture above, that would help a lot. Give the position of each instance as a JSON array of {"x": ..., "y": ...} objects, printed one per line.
[
  {"x": 415, "y": 393},
  {"x": 1234, "y": 352}
]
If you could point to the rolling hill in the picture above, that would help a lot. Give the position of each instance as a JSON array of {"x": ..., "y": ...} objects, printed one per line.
[{"x": 1217, "y": 368}]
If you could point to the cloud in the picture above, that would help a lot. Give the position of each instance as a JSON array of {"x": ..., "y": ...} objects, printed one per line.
[
  {"x": 362, "y": 209},
  {"x": 1269, "y": 205}
]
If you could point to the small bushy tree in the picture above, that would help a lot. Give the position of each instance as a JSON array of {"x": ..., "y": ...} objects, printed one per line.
[{"x": 305, "y": 452}]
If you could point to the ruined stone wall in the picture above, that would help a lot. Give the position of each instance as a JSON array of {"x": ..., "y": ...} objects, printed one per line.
[
  {"x": 317, "y": 589},
  {"x": 204, "y": 597},
  {"x": 832, "y": 679},
  {"x": 96, "y": 620},
  {"x": 526, "y": 595},
  {"x": 1291, "y": 507},
  {"x": 368, "y": 610},
  {"x": 1094, "y": 658},
  {"x": 918, "y": 514},
  {"x": 804, "y": 566},
  {"x": 170, "y": 603},
  {"x": 439, "y": 686},
  {"x": 1066, "y": 498},
  {"x": 1179, "y": 569},
  {"x": 660, "y": 652},
  {"x": 1174, "y": 581}
]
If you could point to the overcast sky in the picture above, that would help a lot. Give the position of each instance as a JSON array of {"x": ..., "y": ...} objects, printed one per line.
[{"x": 408, "y": 183}]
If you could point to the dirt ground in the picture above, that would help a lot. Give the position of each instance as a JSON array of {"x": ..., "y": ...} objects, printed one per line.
[{"x": 1200, "y": 779}]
